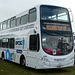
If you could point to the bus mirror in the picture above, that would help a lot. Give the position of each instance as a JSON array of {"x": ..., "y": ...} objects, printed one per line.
[{"x": 71, "y": 15}]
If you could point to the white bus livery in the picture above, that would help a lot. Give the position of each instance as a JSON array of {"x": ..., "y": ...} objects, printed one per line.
[{"x": 40, "y": 38}]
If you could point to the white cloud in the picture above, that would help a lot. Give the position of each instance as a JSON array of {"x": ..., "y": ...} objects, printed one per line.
[
  {"x": 9, "y": 8},
  {"x": 70, "y": 4}
]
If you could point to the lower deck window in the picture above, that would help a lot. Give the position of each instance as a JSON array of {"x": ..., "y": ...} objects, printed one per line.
[
  {"x": 12, "y": 43},
  {"x": 7, "y": 43}
]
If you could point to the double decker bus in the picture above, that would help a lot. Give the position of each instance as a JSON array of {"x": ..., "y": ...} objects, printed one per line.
[{"x": 40, "y": 38}]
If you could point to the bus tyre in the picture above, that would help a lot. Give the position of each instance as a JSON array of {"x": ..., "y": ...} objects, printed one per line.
[
  {"x": 22, "y": 62},
  {"x": 2, "y": 57}
]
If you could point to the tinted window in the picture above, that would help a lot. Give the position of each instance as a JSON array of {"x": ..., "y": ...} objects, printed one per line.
[
  {"x": 0, "y": 43},
  {"x": 8, "y": 26},
  {"x": 32, "y": 15},
  {"x": 4, "y": 25},
  {"x": 33, "y": 42},
  {"x": 13, "y": 23},
  {"x": 18, "y": 21},
  {"x": 54, "y": 13},
  {"x": 11, "y": 43},
  {"x": 24, "y": 19},
  {"x": 5, "y": 43},
  {"x": 0, "y": 26}
]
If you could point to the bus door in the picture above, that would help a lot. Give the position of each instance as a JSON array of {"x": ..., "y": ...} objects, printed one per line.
[{"x": 33, "y": 49}]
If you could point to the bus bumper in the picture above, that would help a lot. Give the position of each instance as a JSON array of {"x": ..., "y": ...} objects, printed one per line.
[{"x": 46, "y": 64}]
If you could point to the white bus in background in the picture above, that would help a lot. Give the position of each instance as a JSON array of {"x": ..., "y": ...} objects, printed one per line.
[
  {"x": 74, "y": 41},
  {"x": 40, "y": 38},
  {"x": 74, "y": 46}
]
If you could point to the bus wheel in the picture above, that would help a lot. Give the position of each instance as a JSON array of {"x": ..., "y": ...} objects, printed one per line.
[
  {"x": 22, "y": 62},
  {"x": 2, "y": 57}
]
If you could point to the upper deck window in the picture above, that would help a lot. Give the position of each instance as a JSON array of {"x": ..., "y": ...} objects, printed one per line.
[
  {"x": 54, "y": 13},
  {"x": 18, "y": 21},
  {"x": 13, "y": 23},
  {"x": 4, "y": 25},
  {"x": 32, "y": 15},
  {"x": 8, "y": 26},
  {"x": 24, "y": 19},
  {"x": 0, "y": 26}
]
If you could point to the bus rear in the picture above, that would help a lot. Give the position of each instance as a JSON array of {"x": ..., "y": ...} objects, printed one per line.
[{"x": 56, "y": 37}]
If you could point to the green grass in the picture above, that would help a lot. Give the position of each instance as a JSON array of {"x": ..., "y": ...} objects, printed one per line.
[{"x": 8, "y": 68}]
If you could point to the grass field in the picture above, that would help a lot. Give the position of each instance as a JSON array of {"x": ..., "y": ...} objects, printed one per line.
[{"x": 8, "y": 68}]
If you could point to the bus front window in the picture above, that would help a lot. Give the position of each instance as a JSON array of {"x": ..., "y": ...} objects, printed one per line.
[
  {"x": 56, "y": 31},
  {"x": 54, "y": 13},
  {"x": 57, "y": 45}
]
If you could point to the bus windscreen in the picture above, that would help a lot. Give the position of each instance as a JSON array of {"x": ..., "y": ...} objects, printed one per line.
[
  {"x": 56, "y": 30},
  {"x": 54, "y": 13}
]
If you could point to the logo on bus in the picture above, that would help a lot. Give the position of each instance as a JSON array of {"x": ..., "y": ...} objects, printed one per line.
[
  {"x": 19, "y": 51},
  {"x": 8, "y": 55}
]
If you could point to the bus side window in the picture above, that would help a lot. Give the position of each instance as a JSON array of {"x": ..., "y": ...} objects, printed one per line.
[
  {"x": 11, "y": 45},
  {"x": 0, "y": 26},
  {"x": 24, "y": 19},
  {"x": 13, "y": 23},
  {"x": 0, "y": 43},
  {"x": 34, "y": 43},
  {"x": 5, "y": 43},
  {"x": 8, "y": 26},
  {"x": 32, "y": 15},
  {"x": 4, "y": 25},
  {"x": 18, "y": 21}
]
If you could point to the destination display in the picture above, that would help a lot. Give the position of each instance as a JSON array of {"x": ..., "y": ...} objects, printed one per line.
[
  {"x": 55, "y": 26},
  {"x": 60, "y": 28}
]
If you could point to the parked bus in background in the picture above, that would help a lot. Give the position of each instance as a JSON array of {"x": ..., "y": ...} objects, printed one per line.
[
  {"x": 74, "y": 40},
  {"x": 74, "y": 46},
  {"x": 40, "y": 38}
]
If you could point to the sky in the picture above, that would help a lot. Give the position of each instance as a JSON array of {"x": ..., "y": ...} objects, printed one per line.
[{"x": 10, "y": 8}]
